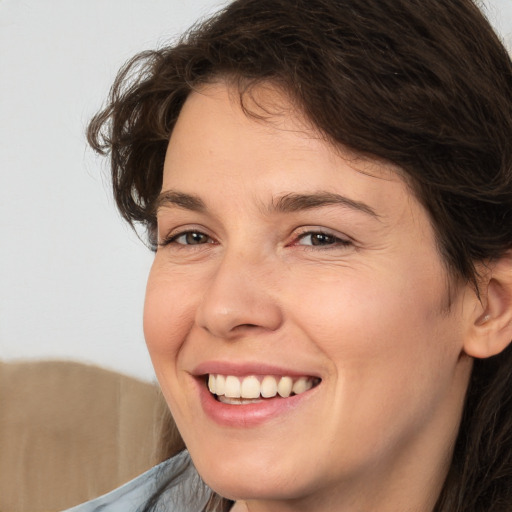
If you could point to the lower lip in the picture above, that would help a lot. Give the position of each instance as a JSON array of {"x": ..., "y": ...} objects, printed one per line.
[{"x": 251, "y": 414}]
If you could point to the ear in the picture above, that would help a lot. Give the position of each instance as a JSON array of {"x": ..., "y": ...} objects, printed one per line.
[{"x": 490, "y": 331}]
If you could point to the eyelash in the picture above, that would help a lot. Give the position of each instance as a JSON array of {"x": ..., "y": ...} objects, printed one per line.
[
  {"x": 172, "y": 239},
  {"x": 336, "y": 241}
]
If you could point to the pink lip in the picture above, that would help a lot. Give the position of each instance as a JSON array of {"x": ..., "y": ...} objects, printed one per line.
[{"x": 249, "y": 415}]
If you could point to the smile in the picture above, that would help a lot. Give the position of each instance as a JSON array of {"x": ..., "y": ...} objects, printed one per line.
[{"x": 234, "y": 390}]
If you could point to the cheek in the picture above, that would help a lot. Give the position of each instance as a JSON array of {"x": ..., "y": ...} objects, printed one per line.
[
  {"x": 389, "y": 344},
  {"x": 168, "y": 317},
  {"x": 368, "y": 310}
]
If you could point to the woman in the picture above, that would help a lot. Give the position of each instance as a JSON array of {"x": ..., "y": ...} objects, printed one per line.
[{"x": 328, "y": 188}]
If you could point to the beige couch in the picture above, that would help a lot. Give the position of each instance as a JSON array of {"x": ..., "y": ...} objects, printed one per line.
[{"x": 70, "y": 432}]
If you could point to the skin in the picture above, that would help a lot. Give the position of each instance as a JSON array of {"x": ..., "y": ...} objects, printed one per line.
[{"x": 366, "y": 311}]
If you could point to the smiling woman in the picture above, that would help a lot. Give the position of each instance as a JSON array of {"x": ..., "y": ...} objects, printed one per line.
[{"x": 328, "y": 189}]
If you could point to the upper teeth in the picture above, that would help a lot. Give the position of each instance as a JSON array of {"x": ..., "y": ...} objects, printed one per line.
[{"x": 254, "y": 387}]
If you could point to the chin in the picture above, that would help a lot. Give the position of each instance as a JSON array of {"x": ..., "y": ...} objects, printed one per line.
[
  {"x": 248, "y": 486},
  {"x": 253, "y": 475}
]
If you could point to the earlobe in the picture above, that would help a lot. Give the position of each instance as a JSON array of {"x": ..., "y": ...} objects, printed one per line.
[{"x": 491, "y": 329}]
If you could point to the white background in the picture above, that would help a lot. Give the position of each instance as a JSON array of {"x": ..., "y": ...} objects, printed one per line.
[{"x": 72, "y": 274}]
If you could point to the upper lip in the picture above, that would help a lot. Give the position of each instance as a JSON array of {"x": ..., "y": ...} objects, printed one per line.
[{"x": 242, "y": 369}]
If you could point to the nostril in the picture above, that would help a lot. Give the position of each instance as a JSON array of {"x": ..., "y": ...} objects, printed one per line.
[
  {"x": 246, "y": 330},
  {"x": 241, "y": 328}
]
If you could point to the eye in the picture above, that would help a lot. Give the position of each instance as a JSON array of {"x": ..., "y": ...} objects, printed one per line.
[
  {"x": 320, "y": 239},
  {"x": 187, "y": 238}
]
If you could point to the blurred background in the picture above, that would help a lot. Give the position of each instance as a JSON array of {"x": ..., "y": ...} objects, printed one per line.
[{"x": 72, "y": 274}]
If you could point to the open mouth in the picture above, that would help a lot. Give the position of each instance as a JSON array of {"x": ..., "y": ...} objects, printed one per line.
[{"x": 234, "y": 390}]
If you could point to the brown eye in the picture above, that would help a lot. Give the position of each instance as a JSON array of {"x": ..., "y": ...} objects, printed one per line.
[
  {"x": 194, "y": 238},
  {"x": 322, "y": 239},
  {"x": 188, "y": 238},
  {"x": 319, "y": 239}
]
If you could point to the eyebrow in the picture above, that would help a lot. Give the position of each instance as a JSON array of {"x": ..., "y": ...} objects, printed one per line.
[
  {"x": 170, "y": 198},
  {"x": 285, "y": 204},
  {"x": 296, "y": 202}
]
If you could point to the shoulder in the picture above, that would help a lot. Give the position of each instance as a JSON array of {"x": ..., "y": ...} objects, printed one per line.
[{"x": 177, "y": 474}]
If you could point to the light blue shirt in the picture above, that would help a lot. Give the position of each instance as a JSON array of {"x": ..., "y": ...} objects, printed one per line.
[{"x": 187, "y": 494}]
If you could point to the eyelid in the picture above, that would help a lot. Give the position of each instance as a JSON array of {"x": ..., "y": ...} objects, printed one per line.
[
  {"x": 176, "y": 233},
  {"x": 340, "y": 239}
]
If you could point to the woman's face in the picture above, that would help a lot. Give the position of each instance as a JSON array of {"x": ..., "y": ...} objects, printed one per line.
[{"x": 284, "y": 262}]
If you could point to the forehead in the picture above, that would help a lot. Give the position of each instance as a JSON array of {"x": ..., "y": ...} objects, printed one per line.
[{"x": 260, "y": 129}]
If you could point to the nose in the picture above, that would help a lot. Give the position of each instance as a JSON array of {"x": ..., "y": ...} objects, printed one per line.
[{"x": 240, "y": 299}]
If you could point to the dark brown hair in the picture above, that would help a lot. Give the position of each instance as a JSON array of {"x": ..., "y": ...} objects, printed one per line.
[{"x": 424, "y": 84}]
